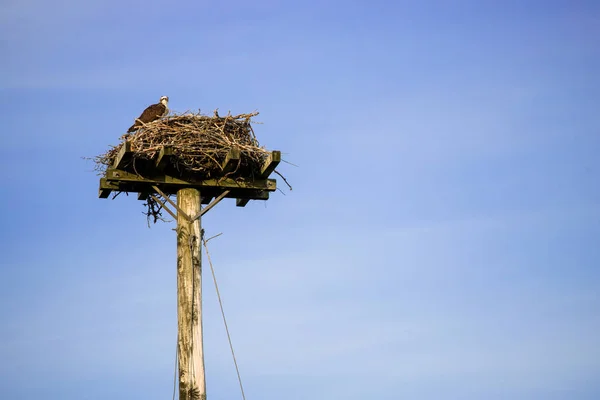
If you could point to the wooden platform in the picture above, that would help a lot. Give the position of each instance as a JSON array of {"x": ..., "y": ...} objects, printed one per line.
[{"x": 140, "y": 178}]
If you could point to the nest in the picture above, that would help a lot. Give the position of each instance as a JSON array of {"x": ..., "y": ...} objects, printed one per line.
[{"x": 200, "y": 144}]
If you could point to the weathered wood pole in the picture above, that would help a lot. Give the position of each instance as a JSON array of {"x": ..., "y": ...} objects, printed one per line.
[{"x": 189, "y": 298}]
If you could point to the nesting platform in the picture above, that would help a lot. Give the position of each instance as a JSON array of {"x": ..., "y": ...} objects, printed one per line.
[{"x": 143, "y": 176}]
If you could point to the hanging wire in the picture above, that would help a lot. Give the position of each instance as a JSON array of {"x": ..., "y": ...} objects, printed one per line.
[
  {"x": 212, "y": 270},
  {"x": 176, "y": 365}
]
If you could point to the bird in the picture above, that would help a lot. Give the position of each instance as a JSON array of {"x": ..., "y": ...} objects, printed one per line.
[{"x": 151, "y": 113}]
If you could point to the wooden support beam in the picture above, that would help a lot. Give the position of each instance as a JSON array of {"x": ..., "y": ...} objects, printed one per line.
[
  {"x": 260, "y": 195},
  {"x": 163, "y": 158},
  {"x": 123, "y": 156},
  {"x": 270, "y": 164},
  {"x": 171, "y": 202},
  {"x": 212, "y": 204},
  {"x": 117, "y": 175},
  {"x": 241, "y": 202},
  {"x": 143, "y": 195},
  {"x": 231, "y": 161},
  {"x": 164, "y": 206},
  {"x": 104, "y": 193},
  {"x": 257, "y": 195},
  {"x": 190, "y": 350},
  {"x": 106, "y": 188}
]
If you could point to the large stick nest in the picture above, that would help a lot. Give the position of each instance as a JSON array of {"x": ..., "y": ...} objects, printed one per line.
[{"x": 200, "y": 144}]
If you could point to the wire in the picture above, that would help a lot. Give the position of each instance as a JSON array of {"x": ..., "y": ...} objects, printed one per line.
[
  {"x": 212, "y": 270},
  {"x": 176, "y": 365}
]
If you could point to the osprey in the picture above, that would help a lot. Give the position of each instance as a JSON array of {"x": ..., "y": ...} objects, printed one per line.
[{"x": 152, "y": 113}]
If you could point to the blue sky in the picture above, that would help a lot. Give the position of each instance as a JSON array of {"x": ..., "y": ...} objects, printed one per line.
[{"x": 441, "y": 240}]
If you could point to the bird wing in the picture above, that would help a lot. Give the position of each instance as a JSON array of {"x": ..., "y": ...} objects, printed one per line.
[{"x": 153, "y": 112}]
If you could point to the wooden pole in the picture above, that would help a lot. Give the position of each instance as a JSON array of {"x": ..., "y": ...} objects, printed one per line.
[{"x": 189, "y": 298}]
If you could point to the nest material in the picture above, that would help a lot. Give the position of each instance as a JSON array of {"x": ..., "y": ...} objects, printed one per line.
[{"x": 200, "y": 144}]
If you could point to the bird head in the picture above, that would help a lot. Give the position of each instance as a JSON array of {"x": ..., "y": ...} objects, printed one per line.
[{"x": 164, "y": 100}]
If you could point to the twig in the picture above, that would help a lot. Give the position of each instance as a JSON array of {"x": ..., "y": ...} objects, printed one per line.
[{"x": 285, "y": 180}]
